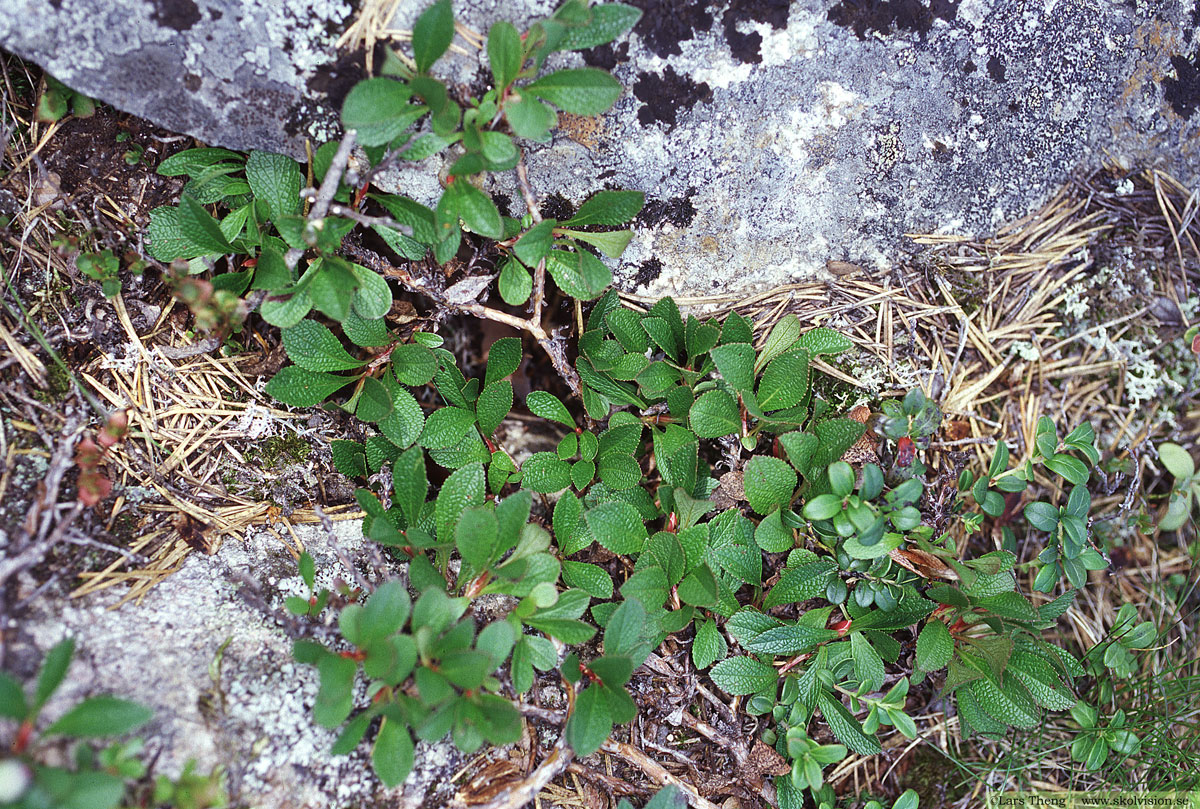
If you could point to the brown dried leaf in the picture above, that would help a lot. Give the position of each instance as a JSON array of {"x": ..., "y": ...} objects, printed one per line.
[
  {"x": 729, "y": 492},
  {"x": 863, "y": 450},
  {"x": 765, "y": 761},
  {"x": 842, "y": 267},
  {"x": 923, "y": 564},
  {"x": 489, "y": 782},
  {"x": 468, "y": 290}
]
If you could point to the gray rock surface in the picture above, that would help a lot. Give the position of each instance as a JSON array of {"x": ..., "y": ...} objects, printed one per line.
[
  {"x": 256, "y": 719},
  {"x": 769, "y": 136}
]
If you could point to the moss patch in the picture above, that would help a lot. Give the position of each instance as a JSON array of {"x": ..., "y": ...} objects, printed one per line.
[{"x": 279, "y": 452}]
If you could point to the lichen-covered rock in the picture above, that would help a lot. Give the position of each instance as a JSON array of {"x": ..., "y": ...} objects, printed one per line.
[
  {"x": 255, "y": 717},
  {"x": 769, "y": 136},
  {"x": 239, "y": 74}
]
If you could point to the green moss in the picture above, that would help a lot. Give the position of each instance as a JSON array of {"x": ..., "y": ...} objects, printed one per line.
[
  {"x": 279, "y": 452},
  {"x": 935, "y": 778},
  {"x": 58, "y": 382}
]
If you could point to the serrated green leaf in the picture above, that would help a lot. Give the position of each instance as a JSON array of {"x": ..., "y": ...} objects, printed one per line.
[
  {"x": 504, "y": 357},
  {"x": 286, "y": 312},
  {"x": 432, "y": 34},
  {"x": 378, "y": 110},
  {"x": 834, "y": 437},
  {"x": 535, "y": 243},
  {"x": 868, "y": 665},
  {"x": 744, "y": 675},
  {"x": 530, "y": 118},
  {"x": 735, "y": 362},
  {"x": 708, "y": 645},
  {"x": 548, "y": 406},
  {"x": 464, "y": 487},
  {"x": 611, "y": 243},
  {"x": 348, "y": 458},
  {"x": 742, "y": 562},
  {"x": 591, "y": 723},
  {"x": 365, "y": 333},
  {"x": 1001, "y": 705},
  {"x": 698, "y": 588},
  {"x": 1040, "y": 679},
  {"x": 784, "y": 383},
  {"x": 799, "y": 584},
  {"x": 372, "y": 298},
  {"x": 475, "y": 208},
  {"x": 592, "y": 578},
  {"x": 608, "y": 208},
  {"x": 935, "y": 646},
  {"x": 505, "y": 53},
  {"x": 97, "y": 717},
  {"x": 494, "y": 403},
  {"x": 403, "y": 425},
  {"x": 314, "y": 347},
  {"x": 193, "y": 162},
  {"x": 299, "y": 387},
  {"x": 516, "y": 284},
  {"x": 617, "y": 526},
  {"x": 769, "y": 483},
  {"x": 446, "y": 426},
  {"x": 772, "y": 535},
  {"x": 714, "y": 415},
  {"x": 627, "y": 632},
  {"x": 845, "y": 727},
  {"x": 275, "y": 180},
  {"x": 374, "y": 402},
  {"x": 790, "y": 639},
  {"x": 822, "y": 340},
  {"x": 392, "y": 754},
  {"x": 477, "y": 536},
  {"x": 544, "y": 472},
  {"x": 200, "y": 229},
  {"x": 783, "y": 336},
  {"x": 605, "y": 23},
  {"x": 579, "y": 91}
]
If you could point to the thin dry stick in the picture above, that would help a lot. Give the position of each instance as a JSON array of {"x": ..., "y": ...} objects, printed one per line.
[
  {"x": 560, "y": 757},
  {"x": 657, "y": 772},
  {"x": 329, "y": 187},
  {"x": 539, "y": 272}
]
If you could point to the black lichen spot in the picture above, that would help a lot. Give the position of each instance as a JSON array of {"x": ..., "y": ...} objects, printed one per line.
[
  {"x": 882, "y": 16},
  {"x": 556, "y": 206},
  {"x": 667, "y": 23},
  {"x": 649, "y": 270},
  {"x": 744, "y": 47},
  {"x": 942, "y": 153},
  {"x": 608, "y": 56},
  {"x": 503, "y": 204},
  {"x": 969, "y": 67},
  {"x": 335, "y": 80},
  {"x": 192, "y": 82},
  {"x": 1183, "y": 91},
  {"x": 995, "y": 69},
  {"x": 679, "y": 211},
  {"x": 664, "y": 96},
  {"x": 178, "y": 15},
  {"x": 748, "y": 47}
]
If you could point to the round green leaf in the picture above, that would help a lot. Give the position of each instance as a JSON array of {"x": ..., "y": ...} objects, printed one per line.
[{"x": 769, "y": 482}]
